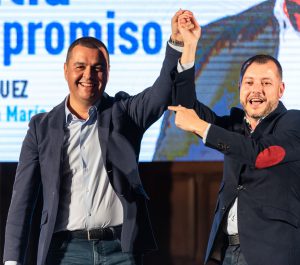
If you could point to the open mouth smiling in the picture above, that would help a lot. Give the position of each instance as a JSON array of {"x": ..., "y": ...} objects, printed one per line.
[
  {"x": 87, "y": 85},
  {"x": 256, "y": 101}
]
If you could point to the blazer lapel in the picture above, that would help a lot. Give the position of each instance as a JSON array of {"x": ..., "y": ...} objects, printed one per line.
[
  {"x": 104, "y": 121},
  {"x": 56, "y": 139},
  {"x": 262, "y": 127}
]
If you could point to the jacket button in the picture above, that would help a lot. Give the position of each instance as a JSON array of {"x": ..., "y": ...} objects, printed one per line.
[
  {"x": 240, "y": 187},
  {"x": 222, "y": 147},
  {"x": 223, "y": 208}
]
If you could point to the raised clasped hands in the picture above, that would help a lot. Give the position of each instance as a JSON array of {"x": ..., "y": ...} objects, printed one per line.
[{"x": 185, "y": 27}]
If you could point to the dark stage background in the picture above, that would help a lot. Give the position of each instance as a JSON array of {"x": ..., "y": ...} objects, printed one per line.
[{"x": 182, "y": 201}]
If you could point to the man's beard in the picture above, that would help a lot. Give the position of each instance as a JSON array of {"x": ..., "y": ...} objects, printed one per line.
[{"x": 271, "y": 106}]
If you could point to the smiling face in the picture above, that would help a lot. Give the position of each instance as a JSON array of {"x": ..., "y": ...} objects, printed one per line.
[
  {"x": 86, "y": 72},
  {"x": 260, "y": 90}
]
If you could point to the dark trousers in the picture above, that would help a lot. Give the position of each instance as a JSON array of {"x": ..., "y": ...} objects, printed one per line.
[{"x": 234, "y": 256}]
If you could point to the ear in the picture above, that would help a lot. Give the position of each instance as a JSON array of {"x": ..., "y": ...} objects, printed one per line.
[
  {"x": 106, "y": 77},
  {"x": 65, "y": 70},
  {"x": 281, "y": 89},
  {"x": 108, "y": 70}
]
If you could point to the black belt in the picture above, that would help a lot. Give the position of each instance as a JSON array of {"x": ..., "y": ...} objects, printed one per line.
[
  {"x": 233, "y": 240},
  {"x": 108, "y": 233}
]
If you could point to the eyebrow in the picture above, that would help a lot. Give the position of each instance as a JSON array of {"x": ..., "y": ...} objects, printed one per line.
[
  {"x": 247, "y": 77},
  {"x": 250, "y": 77},
  {"x": 94, "y": 65},
  {"x": 267, "y": 78}
]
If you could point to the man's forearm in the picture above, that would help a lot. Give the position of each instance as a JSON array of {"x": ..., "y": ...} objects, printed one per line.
[{"x": 188, "y": 54}]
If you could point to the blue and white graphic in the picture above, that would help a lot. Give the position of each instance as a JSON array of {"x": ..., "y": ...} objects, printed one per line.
[{"x": 35, "y": 35}]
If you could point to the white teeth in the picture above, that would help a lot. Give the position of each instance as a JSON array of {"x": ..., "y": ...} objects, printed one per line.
[
  {"x": 86, "y": 85},
  {"x": 256, "y": 101}
]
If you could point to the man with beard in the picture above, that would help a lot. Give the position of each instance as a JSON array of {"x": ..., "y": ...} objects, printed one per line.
[
  {"x": 257, "y": 216},
  {"x": 270, "y": 27},
  {"x": 82, "y": 156}
]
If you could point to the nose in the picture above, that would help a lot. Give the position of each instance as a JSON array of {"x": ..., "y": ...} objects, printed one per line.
[
  {"x": 257, "y": 87},
  {"x": 87, "y": 74}
]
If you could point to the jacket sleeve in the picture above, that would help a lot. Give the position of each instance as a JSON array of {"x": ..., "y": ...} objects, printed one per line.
[
  {"x": 184, "y": 92},
  {"x": 25, "y": 192},
  {"x": 280, "y": 146},
  {"x": 148, "y": 106}
]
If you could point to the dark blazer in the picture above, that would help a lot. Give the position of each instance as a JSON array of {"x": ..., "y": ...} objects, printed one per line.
[
  {"x": 262, "y": 169},
  {"x": 122, "y": 121}
]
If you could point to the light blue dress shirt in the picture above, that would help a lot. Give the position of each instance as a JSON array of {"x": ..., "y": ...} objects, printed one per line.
[{"x": 87, "y": 199}]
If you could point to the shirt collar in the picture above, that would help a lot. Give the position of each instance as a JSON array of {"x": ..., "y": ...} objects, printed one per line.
[
  {"x": 248, "y": 124},
  {"x": 92, "y": 111}
]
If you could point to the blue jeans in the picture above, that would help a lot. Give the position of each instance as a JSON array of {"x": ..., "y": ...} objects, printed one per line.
[
  {"x": 93, "y": 252},
  {"x": 234, "y": 256}
]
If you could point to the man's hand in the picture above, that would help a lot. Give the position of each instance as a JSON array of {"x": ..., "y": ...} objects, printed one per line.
[
  {"x": 188, "y": 120},
  {"x": 188, "y": 28},
  {"x": 187, "y": 22},
  {"x": 174, "y": 23}
]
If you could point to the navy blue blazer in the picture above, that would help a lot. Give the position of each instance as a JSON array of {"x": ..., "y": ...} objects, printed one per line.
[
  {"x": 122, "y": 121},
  {"x": 262, "y": 170}
]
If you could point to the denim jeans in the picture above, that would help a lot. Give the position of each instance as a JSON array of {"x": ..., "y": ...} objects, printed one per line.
[
  {"x": 93, "y": 252},
  {"x": 234, "y": 256}
]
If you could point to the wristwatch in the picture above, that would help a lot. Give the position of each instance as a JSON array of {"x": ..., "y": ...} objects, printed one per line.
[{"x": 176, "y": 42}]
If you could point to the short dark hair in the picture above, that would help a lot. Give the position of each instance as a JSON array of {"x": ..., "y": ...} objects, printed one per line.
[
  {"x": 89, "y": 42},
  {"x": 260, "y": 59}
]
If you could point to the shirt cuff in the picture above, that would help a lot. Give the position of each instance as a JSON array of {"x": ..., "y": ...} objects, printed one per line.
[
  {"x": 177, "y": 48},
  {"x": 183, "y": 67},
  {"x": 204, "y": 135},
  {"x": 10, "y": 262}
]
